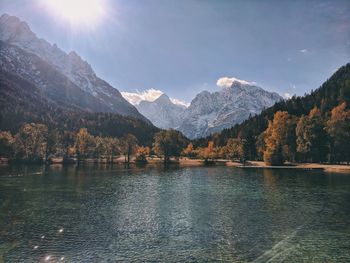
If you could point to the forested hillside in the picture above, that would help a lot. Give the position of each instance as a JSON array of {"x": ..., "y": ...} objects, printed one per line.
[
  {"x": 21, "y": 102},
  {"x": 331, "y": 94}
]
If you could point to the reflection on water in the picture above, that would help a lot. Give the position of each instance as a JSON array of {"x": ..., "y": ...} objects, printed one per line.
[{"x": 198, "y": 214}]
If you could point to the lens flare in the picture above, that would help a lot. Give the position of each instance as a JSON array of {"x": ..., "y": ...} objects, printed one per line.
[{"x": 78, "y": 13}]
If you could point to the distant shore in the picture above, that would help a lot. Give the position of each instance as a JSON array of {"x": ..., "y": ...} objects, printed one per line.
[
  {"x": 259, "y": 164},
  {"x": 342, "y": 168},
  {"x": 303, "y": 166}
]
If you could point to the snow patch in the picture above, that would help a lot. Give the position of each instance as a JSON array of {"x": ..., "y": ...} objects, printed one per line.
[
  {"x": 226, "y": 82},
  {"x": 136, "y": 97},
  {"x": 180, "y": 102},
  {"x": 149, "y": 95}
]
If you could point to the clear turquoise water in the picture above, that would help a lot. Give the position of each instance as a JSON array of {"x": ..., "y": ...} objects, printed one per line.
[{"x": 197, "y": 214}]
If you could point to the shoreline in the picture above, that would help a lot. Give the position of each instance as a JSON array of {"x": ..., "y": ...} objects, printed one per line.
[
  {"x": 299, "y": 166},
  {"x": 189, "y": 162}
]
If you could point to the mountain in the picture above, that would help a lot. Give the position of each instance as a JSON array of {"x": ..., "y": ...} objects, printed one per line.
[
  {"x": 162, "y": 112},
  {"x": 69, "y": 81},
  {"x": 213, "y": 112},
  {"x": 208, "y": 112},
  {"x": 62, "y": 77},
  {"x": 333, "y": 92},
  {"x": 21, "y": 101}
]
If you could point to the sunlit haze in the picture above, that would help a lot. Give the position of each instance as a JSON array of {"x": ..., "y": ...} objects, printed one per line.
[
  {"x": 185, "y": 47},
  {"x": 79, "y": 13}
]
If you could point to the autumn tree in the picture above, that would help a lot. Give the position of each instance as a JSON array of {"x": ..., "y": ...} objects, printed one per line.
[
  {"x": 169, "y": 143},
  {"x": 280, "y": 139},
  {"x": 6, "y": 144},
  {"x": 30, "y": 141},
  {"x": 100, "y": 147},
  {"x": 189, "y": 151},
  {"x": 84, "y": 144},
  {"x": 236, "y": 148},
  {"x": 142, "y": 153},
  {"x": 338, "y": 128},
  {"x": 210, "y": 152},
  {"x": 128, "y": 146},
  {"x": 112, "y": 148}
]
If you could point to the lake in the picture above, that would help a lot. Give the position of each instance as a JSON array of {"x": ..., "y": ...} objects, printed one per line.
[{"x": 153, "y": 214}]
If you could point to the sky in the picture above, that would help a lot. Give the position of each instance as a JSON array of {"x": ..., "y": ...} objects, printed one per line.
[{"x": 184, "y": 46}]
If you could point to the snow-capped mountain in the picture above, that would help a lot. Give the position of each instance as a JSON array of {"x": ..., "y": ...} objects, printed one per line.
[
  {"x": 162, "y": 112},
  {"x": 150, "y": 95},
  {"x": 212, "y": 112},
  {"x": 23, "y": 53},
  {"x": 154, "y": 104},
  {"x": 208, "y": 112}
]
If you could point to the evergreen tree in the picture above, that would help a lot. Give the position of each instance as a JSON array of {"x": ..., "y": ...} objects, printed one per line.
[
  {"x": 303, "y": 133},
  {"x": 53, "y": 143},
  {"x": 260, "y": 146},
  {"x": 68, "y": 144},
  {"x": 311, "y": 137}
]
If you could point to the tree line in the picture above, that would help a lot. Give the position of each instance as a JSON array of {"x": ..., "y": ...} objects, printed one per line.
[
  {"x": 313, "y": 137},
  {"x": 310, "y": 138},
  {"x": 36, "y": 142}
]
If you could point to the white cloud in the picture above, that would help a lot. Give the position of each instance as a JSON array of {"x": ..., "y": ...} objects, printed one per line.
[
  {"x": 303, "y": 51},
  {"x": 226, "y": 82},
  {"x": 180, "y": 102},
  {"x": 136, "y": 97},
  {"x": 149, "y": 95},
  {"x": 287, "y": 95}
]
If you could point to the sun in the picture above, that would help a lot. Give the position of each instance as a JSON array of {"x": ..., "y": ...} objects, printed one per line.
[{"x": 77, "y": 12}]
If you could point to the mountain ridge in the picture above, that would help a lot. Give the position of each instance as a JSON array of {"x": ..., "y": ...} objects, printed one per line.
[
  {"x": 208, "y": 112},
  {"x": 16, "y": 32},
  {"x": 162, "y": 112},
  {"x": 213, "y": 112}
]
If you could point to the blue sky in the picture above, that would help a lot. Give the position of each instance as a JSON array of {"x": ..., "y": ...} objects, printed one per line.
[{"x": 182, "y": 47}]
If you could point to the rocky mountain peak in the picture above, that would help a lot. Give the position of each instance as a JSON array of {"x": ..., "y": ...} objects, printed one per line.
[
  {"x": 163, "y": 99},
  {"x": 17, "y": 32},
  {"x": 12, "y": 29},
  {"x": 162, "y": 112},
  {"x": 14, "y": 32},
  {"x": 232, "y": 104}
]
